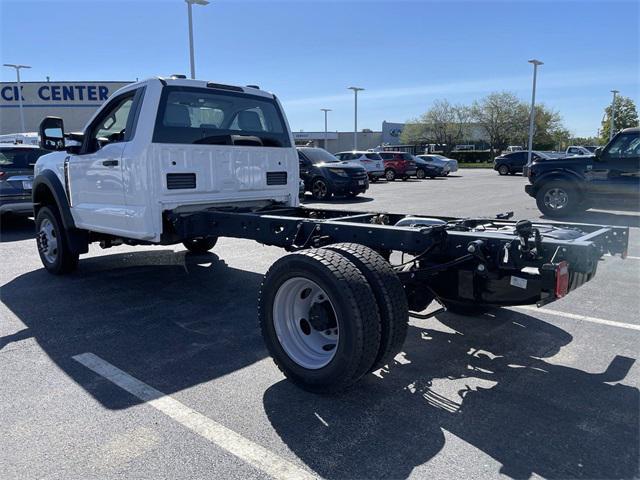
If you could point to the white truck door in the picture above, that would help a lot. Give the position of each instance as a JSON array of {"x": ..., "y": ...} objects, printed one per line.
[{"x": 96, "y": 175}]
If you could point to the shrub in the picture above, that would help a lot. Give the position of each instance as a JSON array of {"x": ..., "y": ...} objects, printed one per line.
[{"x": 475, "y": 156}]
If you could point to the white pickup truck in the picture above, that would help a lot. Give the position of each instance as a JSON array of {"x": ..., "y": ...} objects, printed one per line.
[{"x": 169, "y": 161}]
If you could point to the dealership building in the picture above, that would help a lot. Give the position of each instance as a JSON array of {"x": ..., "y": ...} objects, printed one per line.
[{"x": 74, "y": 102}]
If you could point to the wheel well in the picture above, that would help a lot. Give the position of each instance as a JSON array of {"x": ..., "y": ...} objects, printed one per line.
[
  {"x": 560, "y": 178},
  {"x": 42, "y": 197}
]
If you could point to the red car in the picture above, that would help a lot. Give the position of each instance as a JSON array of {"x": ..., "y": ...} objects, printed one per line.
[{"x": 398, "y": 165}]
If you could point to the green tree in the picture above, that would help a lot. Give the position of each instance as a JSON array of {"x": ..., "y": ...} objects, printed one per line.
[
  {"x": 626, "y": 116},
  {"x": 443, "y": 123},
  {"x": 501, "y": 115}
]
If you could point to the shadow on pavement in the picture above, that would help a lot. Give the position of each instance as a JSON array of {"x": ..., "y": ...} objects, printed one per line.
[
  {"x": 172, "y": 319},
  {"x": 15, "y": 229},
  {"x": 175, "y": 320},
  {"x": 338, "y": 199},
  {"x": 484, "y": 381}
]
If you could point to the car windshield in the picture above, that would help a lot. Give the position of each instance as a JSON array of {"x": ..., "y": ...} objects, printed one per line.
[
  {"x": 591, "y": 149},
  {"x": 318, "y": 155},
  {"x": 202, "y": 116},
  {"x": 20, "y": 157}
]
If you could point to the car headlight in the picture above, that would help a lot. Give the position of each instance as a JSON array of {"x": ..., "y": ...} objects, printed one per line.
[{"x": 339, "y": 172}]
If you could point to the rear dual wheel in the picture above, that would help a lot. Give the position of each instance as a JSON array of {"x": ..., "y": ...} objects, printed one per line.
[{"x": 326, "y": 315}]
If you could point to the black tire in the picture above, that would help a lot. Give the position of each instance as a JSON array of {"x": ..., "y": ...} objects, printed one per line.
[
  {"x": 200, "y": 245},
  {"x": 405, "y": 178},
  {"x": 552, "y": 193},
  {"x": 432, "y": 178},
  {"x": 352, "y": 194},
  {"x": 390, "y": 174},
  {"x": 61, "y": 259},
  {"x": 320, "y": 189},
  {"x": 355, "y": 308},
  {"x": 503, "y": 169},
  {"x": 374, "y": 179},
  {"x": 466, "y": 309},
  {"x": 420, "y": 173},
  {"x": 390, "y": 296}
]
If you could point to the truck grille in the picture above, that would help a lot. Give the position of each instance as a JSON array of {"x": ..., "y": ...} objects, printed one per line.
[
  {"x": 276, "y": 178},
  {"x": 180, "y": 181}
]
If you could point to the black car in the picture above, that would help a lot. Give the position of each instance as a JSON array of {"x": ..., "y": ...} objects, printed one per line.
[
  {"x": 16, "y": 177},
  {"x": 325, "y": 175},
  {"x": 563, "y": 186},
  {"x": 514, "y": 162},
  {"x": 426, "y": 169}
]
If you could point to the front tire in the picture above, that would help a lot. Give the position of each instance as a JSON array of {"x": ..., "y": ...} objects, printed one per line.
[
  {"x": 320, "y": 189},
  {"x": 390, "y": 175},
  {"x": 200, "y": 246},
  {"x": 557, "y": 199},
  {"x": 53, "y": 246},
  {"x": 420, "y": 173},
  {"x": 503, "y": 170},
  {"x": 319, "y": 320}
]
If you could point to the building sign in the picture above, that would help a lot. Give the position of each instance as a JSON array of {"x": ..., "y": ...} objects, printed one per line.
[
  {"x": 391, "y": 133},
  {"x": 74, "y": 102},
  {"x": 314, "y": 135},
  {"x": 58, "y": 93}
]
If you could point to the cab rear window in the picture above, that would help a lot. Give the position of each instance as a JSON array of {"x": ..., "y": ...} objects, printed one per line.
[
  {"x": 19, "y": 157},
  {"x": 190, "y": 115}
]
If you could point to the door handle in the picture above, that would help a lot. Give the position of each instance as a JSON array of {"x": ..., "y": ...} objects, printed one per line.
[{"x": 110, "y": 163}]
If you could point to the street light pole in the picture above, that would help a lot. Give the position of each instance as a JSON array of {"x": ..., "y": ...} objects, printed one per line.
[
  {"x": 355, "y": 123},
  {"x": 189, "y": 14},
  {"x": 325, "y": 110},
  {"x": 532, "y": 115},
  {"x": 18, "y": 67},
  {"x": 613, "y": 114}
]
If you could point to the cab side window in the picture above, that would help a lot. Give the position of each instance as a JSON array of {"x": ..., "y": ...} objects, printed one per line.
[
  {"x": 625, "y": 146},
  {"x": 111, "y": 125}
]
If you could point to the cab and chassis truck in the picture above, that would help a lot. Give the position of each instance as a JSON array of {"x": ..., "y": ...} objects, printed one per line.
[{"x": 169, "y": 160}]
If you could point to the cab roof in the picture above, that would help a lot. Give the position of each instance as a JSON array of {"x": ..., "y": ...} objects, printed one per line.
[{"x": 186, "y": 82}]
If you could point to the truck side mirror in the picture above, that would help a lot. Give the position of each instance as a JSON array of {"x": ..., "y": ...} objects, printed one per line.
[
  {"x": 52, "y": 134},
  {"x": 597, "y": 152}
]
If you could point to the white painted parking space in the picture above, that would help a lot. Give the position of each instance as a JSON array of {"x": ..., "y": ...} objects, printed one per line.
[
  {"x": 246, "y": 450},
  {"x": 583, "y": 318}
]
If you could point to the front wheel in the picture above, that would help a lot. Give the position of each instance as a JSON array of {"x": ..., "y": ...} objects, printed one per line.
[
  {"x": 390, "y": 175},
  {"x": 320, "y": 189},
  {"x": 558, "y": 199},
  {"x": 503, "y": 170},
  {"x": 53, "y": 247},
  {"x": 420, "y": 173},
  {"x": 200, "y": 245}
]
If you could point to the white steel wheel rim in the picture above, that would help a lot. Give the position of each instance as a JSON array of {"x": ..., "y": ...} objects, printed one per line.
[
  {"x": 319, "y": 189},
  {"x": 556, "y": 198},
  {"x": 48, "y": 241},
  {"x": 299, "y": 304}
]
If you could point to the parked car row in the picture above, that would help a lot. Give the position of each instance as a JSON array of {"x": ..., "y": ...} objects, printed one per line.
[
  {"x": 349, "y": 173},
  {"x": 16, "y": 177}
]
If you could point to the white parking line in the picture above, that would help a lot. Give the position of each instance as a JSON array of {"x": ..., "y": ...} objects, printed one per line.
[
  {"x": 227, "y": 439},
  {"x": 584, "y": 318}
]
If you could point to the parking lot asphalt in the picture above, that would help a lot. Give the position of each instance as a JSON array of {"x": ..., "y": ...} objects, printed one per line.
[{"x": 176, "y": 382}]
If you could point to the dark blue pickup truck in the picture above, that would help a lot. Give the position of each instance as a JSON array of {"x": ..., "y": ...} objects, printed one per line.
[{"x": 569, "y": 185}]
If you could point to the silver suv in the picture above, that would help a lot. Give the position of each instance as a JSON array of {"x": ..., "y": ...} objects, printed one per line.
[{"x": 371, "y": 161}]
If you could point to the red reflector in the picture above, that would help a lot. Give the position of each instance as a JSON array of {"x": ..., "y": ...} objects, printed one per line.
[{"x": 562, "y": 279}]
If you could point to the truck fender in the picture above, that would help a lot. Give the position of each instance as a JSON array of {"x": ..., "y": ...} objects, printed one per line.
[
  {"x": 565, "y": 175},
  {"x": 47, "y": 187},
  {"x": 48, "y": 190}
]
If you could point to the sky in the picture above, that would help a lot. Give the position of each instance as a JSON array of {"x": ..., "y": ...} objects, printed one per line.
[{"x": 406, "y": 54}]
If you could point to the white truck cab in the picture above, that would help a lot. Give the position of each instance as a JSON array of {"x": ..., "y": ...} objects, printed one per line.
[{"x": 165, "y": 144}]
